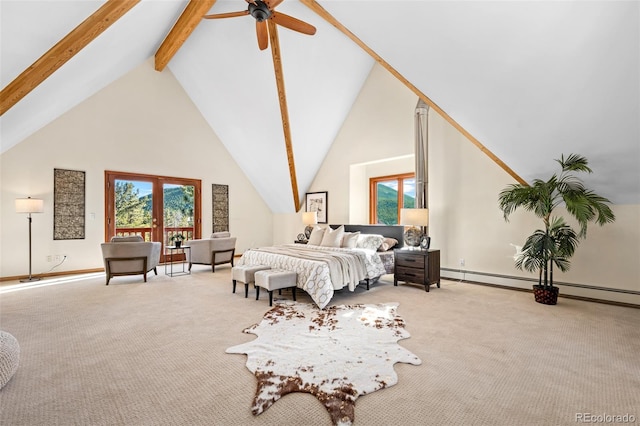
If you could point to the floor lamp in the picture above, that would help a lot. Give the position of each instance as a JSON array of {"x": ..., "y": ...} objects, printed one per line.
[{"x": 29, "y": 205}]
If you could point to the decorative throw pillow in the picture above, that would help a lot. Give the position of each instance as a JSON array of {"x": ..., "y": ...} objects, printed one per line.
[
  {"x": 388, "y": 244},
  {"x": 349, "y": 239},
  {"x": 316, "y": 236},
  {"x": 333, "y": 237},
  {"x": 369, "y": 241}
]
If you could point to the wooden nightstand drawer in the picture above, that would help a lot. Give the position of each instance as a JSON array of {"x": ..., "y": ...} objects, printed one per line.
[
  {"x": 410, "y": 260},
  {"x": 409, "y": 274}
]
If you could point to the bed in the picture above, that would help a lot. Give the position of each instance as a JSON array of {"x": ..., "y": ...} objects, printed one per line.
[{"x": 323, "y": 270}]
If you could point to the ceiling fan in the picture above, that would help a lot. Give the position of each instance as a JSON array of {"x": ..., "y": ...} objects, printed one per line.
[
  {"x": 263, "y": 10},
  {"x": 267, "y": 21}
]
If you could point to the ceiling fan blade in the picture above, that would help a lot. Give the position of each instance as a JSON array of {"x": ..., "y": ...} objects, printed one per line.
[
  {"x": 273, "y": 3},
  {"x": 226, "y": 15},
  {"x": 293, "y": 23},
  {"x": 263, "y": 35}
]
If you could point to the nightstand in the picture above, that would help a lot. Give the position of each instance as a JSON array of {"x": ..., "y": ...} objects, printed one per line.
[{"x": 417, "y": 266}]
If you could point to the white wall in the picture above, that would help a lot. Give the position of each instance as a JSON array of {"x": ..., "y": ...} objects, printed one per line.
[
  {"x": 464, "y": 183},
  {"x": 142, "y": 123}
]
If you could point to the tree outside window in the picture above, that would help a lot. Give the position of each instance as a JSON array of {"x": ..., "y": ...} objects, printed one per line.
[{"x": 389, "y": 194}]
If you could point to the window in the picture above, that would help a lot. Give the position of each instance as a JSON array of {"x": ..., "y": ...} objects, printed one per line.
[{"x": 389, "y": 194}]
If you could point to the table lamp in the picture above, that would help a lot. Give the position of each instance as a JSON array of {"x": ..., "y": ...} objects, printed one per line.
[{"x": 414, "y": 220}]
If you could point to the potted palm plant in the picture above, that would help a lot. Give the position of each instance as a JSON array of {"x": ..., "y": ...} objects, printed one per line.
[{"x": 557, "y": 242}]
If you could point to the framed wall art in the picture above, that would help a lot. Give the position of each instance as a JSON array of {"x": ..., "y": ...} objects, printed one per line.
[
  {"x": 220, "y": 207},
  {"x": 317, "y": 202},
  {"x": 68, "y": 204}
]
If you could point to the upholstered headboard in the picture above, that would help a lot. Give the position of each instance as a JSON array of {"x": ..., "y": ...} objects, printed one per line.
[{"x": 390, "y": 231}]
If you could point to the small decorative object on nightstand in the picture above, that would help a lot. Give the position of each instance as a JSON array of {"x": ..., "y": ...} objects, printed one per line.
[{"x": 417, "y": 266}]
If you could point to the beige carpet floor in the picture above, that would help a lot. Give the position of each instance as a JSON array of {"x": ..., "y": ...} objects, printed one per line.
[{"x": 153, "y": 354}]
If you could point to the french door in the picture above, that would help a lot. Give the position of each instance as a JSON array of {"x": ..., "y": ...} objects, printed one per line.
[{"x": 155, "y": 207}]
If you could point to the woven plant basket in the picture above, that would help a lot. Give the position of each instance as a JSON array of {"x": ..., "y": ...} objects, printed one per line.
[{"x": 546, "y": 295}]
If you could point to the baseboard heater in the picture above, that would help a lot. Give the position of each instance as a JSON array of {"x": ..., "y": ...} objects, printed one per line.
[{"x": 502, "y": 281}]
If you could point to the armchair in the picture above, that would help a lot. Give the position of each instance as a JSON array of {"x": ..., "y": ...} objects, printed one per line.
[
  {"x": 216, "y": 250},
  {"x": 130, "y": 256}
]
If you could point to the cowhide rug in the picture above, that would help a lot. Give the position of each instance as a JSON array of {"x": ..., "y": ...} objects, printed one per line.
[{"x": 336, "y": 354}]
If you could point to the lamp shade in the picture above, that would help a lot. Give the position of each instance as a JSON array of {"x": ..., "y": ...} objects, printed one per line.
[
  {"x": 29, "y": 205},
  {"x": 414, "y": 217},
  {"x": 310, "y": 218}
]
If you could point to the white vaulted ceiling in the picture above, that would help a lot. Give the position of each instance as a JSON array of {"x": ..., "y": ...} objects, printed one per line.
[{"x": 528, "y": 80}]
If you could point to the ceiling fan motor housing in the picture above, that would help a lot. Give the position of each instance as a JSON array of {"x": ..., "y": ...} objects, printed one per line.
[{"x": 259, "y": 10}]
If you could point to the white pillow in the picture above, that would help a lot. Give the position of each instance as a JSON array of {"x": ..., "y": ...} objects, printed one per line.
[
  {"x": 333, "y": 237},
  {"x": 349, "y": 239},
  {"x": 316, "y": 236},
  {"x": 370, "y": 241}
]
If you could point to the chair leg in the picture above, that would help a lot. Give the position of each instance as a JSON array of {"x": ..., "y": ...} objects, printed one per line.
[
  {"x": 257, "y": 292},
  {"x": 145, "y": 277},
  {"x": 293, "y": 290},
  {"x": 246, "y": 290},
  {"x": 155, "y": 270},
  {"x": 270, "y": 298},
  {"x": 190, "y": 266},
  {"x": 234, "y": 286}
]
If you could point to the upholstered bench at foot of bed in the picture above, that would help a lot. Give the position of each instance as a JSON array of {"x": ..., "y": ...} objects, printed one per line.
[
  {"x": 275, "y": 279},
  {"x": 246, "y": 275}
]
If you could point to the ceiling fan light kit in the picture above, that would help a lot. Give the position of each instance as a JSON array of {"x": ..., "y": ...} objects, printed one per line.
[{"x": 259, "y": 10}]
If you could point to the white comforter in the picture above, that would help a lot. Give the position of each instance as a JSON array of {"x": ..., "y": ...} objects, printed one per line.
[{"x": 321, "y": 270}]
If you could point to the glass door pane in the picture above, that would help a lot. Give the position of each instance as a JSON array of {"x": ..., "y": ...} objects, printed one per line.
[
  {"x": 178, "y": 212},
  {"x": 133, "y": 208},
  {"x": 387, "y": 202}
]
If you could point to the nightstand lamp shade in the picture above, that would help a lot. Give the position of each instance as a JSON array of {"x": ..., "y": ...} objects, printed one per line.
[
  {"x": 414, "y": 220},
  {"x": 309, "y": 219}
]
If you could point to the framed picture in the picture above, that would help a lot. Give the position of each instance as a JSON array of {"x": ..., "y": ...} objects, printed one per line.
[{"x": 317, "y": 202}]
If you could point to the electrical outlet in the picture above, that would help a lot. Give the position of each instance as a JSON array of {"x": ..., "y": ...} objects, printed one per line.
[
  {"x": 461, "y": 261},
  {"x": 49, "y": 258},
  {"x": 56, "y": 258}
]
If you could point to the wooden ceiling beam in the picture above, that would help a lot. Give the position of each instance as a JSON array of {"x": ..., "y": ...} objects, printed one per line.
[
  {"x": 284, "y": 110},
  {"x": 184, "y": 26},
  {"x": 64, "y": 50},
  {"x": 313, "y": 5}
]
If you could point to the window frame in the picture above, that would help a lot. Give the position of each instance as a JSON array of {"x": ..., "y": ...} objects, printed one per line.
[{"x": 373, "y": 198}]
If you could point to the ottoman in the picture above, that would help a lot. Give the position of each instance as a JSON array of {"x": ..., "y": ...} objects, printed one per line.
[
  {"x": 9, "y": 357},
  {"x": 245, "y": 274},
  {"x": 275, "y": 279}
]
